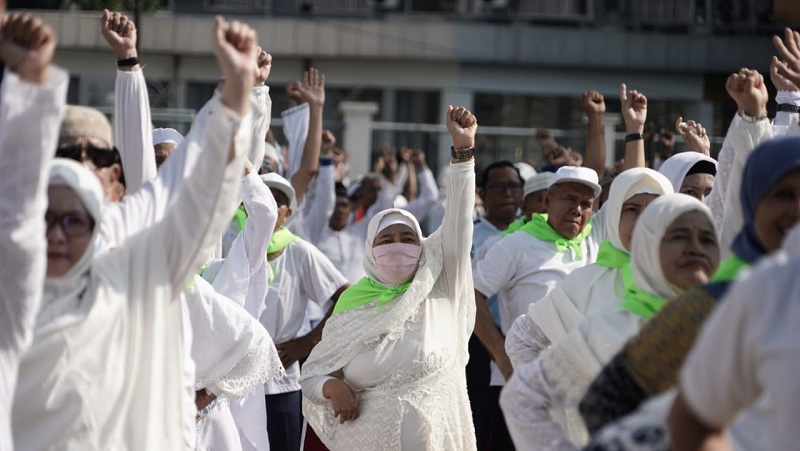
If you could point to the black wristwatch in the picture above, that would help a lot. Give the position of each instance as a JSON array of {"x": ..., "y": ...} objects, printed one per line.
[
  {"x": 788, "y": 108},
  {"x": 465, "y": 154}
]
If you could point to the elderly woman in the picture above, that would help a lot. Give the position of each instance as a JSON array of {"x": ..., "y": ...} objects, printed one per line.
[
  {"x": 102, "y": 372},
  {"x": 389, "y": 371},
  {"x": 674, "y": 248}
]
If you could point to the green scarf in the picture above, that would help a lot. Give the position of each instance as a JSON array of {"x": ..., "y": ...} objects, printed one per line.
[
  {"x": 610, "y": 257},
  {"x": 729, "y": 269},
  {"x": 514, "y": 226},
  {"x": 280, "y": 239},
  {"x": 637, "y": 301},
  {"x": 365, "y": 291},
  {"x": 241, "y": 217},
  {"x": 539, "y": 228}
]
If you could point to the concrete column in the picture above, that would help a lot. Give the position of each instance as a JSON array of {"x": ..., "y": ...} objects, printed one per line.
[
  {"x": 610, "y": 125},
  {"x": 456, "y": 97},
  {"x": 357, "y": 134}
]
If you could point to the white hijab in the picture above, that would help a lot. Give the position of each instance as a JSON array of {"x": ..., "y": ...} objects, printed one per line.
[
  {"x": 646, "y": 243},
  {"x": 676, "y": 166},
  {"x": 62, "y": 294},
  {"x": 378, "y": 223}
]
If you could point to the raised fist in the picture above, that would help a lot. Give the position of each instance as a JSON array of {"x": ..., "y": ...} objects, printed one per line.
[
  {"x": 462, "y": 125},
  {"x": 593, "y": 103},
  {"x": 27, "y": 45},
  {"x": 633, "y": 109},
  {"x": 263, "y": 66},
  {"x": 236, "y": 49},
  {"x": 748, "y": 89},
  {"x": 120, "y": 34},
  {"x": 293, "y": 91},
  {"x": 694, "y": 135}
]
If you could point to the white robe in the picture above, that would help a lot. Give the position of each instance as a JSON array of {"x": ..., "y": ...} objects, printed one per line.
[{"x": 29, "y": 120}]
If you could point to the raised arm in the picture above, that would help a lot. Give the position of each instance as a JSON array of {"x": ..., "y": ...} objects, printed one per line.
[
  {"x": 132, "y": 123},
  {"x": 594, "y": 106},
  {"x": 323, "y": 199},
  {"x": 634, "y": 114},
  {"x": 32, "y": 99},
  {"x": 313, "y": 91},
  {"x": 262, "y": 108}
]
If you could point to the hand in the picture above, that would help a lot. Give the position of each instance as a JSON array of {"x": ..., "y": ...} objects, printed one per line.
[
  {"x": 666, "y": 138},
  {"x": 789, "y": 49},
  {"x": 405, "y": 154},
  {"x": 120, "y": 34},
  {"x": 343, "y": 399},
  {"x": 389, "y": 158},
  {"x": 293, "y": 91},
  {"x": 504, "y": 365},
  {"x": 294, "y": 350},
  {"x": 27, "y": 45},
  {"x": 634, "y": 109},
  {"x": 235, "y": 50},
  {"x": 263, "y": 66},
  {"x": 593, "y": 104},
  {"x": 462, "y": 125},
  {"x": 379, "y": 165},
  {"x": 575, "y": 158},
  {"x": 780, "y": 82},
  {"x": 339, "y": 155},
  {"x": 312, "y": 89},
  {"x": 328, "y": 141},
  {"x": 418, "y": 158},
  {"x": 694, "y": 135},
  {"x": 748, "y": 89}
]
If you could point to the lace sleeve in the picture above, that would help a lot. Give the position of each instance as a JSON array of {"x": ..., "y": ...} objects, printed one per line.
[{"x": 525, "y": 341}]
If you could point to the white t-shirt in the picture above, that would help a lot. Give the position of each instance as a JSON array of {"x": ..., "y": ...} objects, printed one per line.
[
  {"x": 749, "y": 348},
  {"x": 301, "y": 274}
]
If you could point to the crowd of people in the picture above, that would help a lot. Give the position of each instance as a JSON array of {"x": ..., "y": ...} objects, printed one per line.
[{"x": 223, "y": 291}]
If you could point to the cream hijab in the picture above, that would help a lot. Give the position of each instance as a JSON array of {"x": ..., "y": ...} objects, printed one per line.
[
  {"x": 62, "y": 294},
  {"x": 378, "y": 223},
  {"x": 645, "y": 245},
  {"x": 677, "y": 166}
]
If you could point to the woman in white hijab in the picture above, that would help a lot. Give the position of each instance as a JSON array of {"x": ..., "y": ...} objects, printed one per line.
[
  {"x": 593, "y": 286},
  {"x": 690, "y": 173},
  {"x": 674, "y": 248},
  {"x": 391, "y": 361},
  {"x": 103, "y": 371}
]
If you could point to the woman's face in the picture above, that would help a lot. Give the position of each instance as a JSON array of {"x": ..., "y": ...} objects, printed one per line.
[
  {"x": 631, "y": 209},
  {"x": 778, "y": 211},
  {"x": 689, "y": 251},
  {"x": 396, "y": 233},
  {"x": 697, "y": 185},
  {"x": 69, "y": 230}
]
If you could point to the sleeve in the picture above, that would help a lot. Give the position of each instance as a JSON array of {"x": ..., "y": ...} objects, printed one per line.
[
  {"x": 525, "y": 340},
  {"x": 429, "y": 194},
  {"x": 133, "y": 129},
  {"x": 719, "y": 377},
  {"x": 312, "y": 386},
  {"x": 785, "y": 118},
  {"x": 526, "y": 401},
  {"x": 205, "y": 202},
  {"x": 599, "y": 232},
  {"x": 612, "y": 395},
  {"x": 30, "y": 117},
  {"x": 322, "y": 279},
  {"x": 262, "y": 116},
  {"x": 295, "y": 128},
  {"x": 247, "y": 254},
  {"x": 457, "y": 226},
  {"x": 321, "y": 204},
  {"x": 494, "y": 271}
]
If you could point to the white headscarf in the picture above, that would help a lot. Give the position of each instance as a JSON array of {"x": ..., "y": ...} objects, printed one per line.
[
  {"x": 676, "y": 167},
  {"x": 626, "y": 185},
  {"x": 379, "y": 222},
  {"x": 62, "y": 294},
  {"x": 646, "y": 243}
]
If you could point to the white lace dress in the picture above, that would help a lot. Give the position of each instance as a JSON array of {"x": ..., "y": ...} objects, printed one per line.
[{"x": 406, "y": 359}]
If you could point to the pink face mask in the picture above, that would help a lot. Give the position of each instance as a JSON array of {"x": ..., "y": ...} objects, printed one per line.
[{"x": 396, "y": 262}]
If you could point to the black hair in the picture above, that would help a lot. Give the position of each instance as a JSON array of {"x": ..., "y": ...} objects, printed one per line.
[
  {"x": 497, "y": 164},
  {"x": 340, "y": 189},
  {"x": 703, "y": 167}
]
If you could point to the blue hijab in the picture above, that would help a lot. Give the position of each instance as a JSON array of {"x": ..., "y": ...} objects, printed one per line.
[{"x": 765, "y": 166}]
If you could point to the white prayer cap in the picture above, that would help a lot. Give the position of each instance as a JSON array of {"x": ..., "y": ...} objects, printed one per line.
[
  {"x": 274, "y": 180},
  {"x": 526, "y": 171},
  {"x": 396, "y": 218},
  {"x": 166, "y": 136},
  {"x": 577, "y": 174},
  {"x": 537, "y": 182}
]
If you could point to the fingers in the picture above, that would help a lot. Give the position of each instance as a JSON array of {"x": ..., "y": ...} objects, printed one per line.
[
  {"x": 219, "y": 30},
  {"x": 623, "y": 96}
]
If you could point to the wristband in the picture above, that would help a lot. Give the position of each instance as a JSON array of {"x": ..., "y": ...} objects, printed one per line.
[
  {"x": 788, "y": 108},
  {"x": 633, "y": 137},
  {"x": 128, "y": 62},
  {"x": 462, "y": 154},
  {"x": 325, "y": 161},
  {"x": 752, "y": 119}
]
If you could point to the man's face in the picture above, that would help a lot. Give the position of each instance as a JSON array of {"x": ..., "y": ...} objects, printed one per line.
[
  {"x": 534, "y": 203},
  {"x": 502, "y": 193},
  {"x": 369, "y": 192},
  {"x": 284, "y": 210},
  {"x": 569, "y": 207},
  {"x": 163, "y": 152},
  {"x": 97, "y": 156},
  {"x": 341, "y": 212}
]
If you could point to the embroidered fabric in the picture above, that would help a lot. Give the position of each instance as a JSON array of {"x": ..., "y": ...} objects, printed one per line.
[{"x": 525, "y": 341}]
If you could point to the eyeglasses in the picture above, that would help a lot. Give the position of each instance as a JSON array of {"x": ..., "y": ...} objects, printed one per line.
[
  {"x": 73, "y": 224},
  {"x": 502, "y": 187},
  {"x": 101, "y": 158}
]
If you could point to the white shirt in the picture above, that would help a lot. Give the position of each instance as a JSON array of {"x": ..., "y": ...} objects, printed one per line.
[
  {"x": 302, "y": 274},
  {"x": 749, "y": 348},
  {"x": 29, "y": 121}
]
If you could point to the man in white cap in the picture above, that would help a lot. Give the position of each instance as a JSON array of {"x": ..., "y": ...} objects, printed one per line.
[
  {"x": 534, "y": 194},
  {"x": 299, "y": 274},
  {"x": 165, "y": 140},
  {"x": 523, "y": 267}
]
